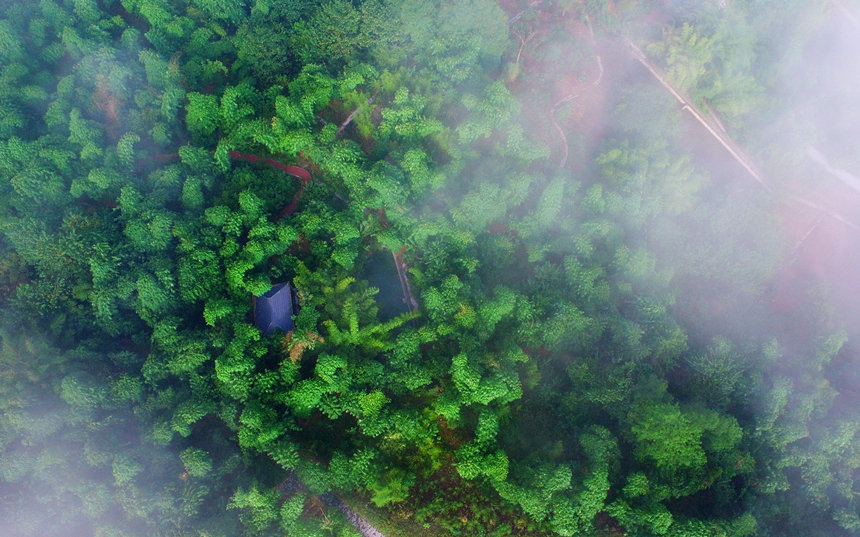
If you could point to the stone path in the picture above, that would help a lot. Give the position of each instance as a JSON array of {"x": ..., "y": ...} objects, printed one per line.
[
  {"x": 292, "y": 484},
  {"x": 362, "y": 525}
]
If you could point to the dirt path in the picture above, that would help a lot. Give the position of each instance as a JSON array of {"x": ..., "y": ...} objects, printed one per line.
[
  {"x": 573, "y": 96},
  {"x": 295, "y": 171}
]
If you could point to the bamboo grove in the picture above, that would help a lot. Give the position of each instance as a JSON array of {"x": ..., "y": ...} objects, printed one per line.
[{"x": 594, "y": 349}]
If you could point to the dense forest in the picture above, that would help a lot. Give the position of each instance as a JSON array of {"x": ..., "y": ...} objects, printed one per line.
[{"x": 562, "y": 267}]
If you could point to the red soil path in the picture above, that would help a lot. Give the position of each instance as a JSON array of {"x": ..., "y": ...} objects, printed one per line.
[
  {"x": 561, "y": 96},
  {"x": 295, "y": 171},
  {"x": 305, "y": 176}
]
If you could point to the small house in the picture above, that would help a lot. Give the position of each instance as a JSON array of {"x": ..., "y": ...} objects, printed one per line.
[{"x": 275, "y": 309}]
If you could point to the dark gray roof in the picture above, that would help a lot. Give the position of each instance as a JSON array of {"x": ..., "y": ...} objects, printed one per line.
[{"x": 275, "y": 309}]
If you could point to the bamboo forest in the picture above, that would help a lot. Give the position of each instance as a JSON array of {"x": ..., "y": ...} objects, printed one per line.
[{"x": 389, "y": 268}]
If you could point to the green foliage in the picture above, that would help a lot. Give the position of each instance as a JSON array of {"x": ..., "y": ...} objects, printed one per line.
[
  {"x": 332, "y": 35},
  {"x": 392, "y": 487},
  {"x": 258, "y": 510},
  {"x": 573, "y": 353},
  {"x": 667, "y": 437},
  {"x": 197, "y": 462},
  {"x": 201, "y": 114}
]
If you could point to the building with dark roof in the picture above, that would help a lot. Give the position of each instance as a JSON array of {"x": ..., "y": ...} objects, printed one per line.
[{"x": 275, "y": 309}]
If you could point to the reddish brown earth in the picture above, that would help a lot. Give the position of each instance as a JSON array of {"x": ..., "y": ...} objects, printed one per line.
[
  {"x": 295, "y": 171},
  {"x": 106, "y": 102},
  {"x": 541, "y": 80}
]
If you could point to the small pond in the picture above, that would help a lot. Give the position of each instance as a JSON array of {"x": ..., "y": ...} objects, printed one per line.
[{"x": 380, "y": 271}]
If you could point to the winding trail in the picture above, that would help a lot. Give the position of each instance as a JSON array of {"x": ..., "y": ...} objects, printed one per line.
[
  {"x": 573, "y": 96},
  {"x": 305, "y": 176},
  {"x": 295, "y": 171}
]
